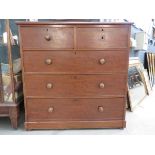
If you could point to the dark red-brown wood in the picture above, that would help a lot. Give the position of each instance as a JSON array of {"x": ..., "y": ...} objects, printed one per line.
[
  {"x": 75, "y": 124},
  {"x": 75, "y": 62},
  {"x": 78, "y": 77},
  {"x": 74, "y": 109},
  {"x": 102, "y": 37},
  {"x": 47, "y": 37},
  {"x": 75, "y": 85},
  {"x": 10, "y": 110}
]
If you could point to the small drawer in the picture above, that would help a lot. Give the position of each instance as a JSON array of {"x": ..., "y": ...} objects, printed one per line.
[
  {"x": 76, "y": 62},
  {"x": 75, "y": 109},
  {"x": 56, "y": 86},
  {"x": 47, "y": 37},
  {"x": 102, "y": 37}
]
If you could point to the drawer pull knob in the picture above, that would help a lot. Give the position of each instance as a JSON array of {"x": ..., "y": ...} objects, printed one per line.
[
  {"x": 102, "y": 38},
  {"x": 100, "y": 109},
  {"x": 102, "y": 61},
  {"x": 48, "y": 37},
  {"x": 50, "y": 109},
  {"x": 48, "y": 61},
  {"x": 49, "y": 85},
  {"x": 101, "y": 85}
]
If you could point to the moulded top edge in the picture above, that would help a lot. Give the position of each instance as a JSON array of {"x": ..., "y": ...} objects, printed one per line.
[{"x": 73, "y": 23}]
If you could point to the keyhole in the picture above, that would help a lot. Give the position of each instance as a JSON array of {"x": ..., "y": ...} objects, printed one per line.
[
  {"x": 102, "y": 37},
  {"x": 102, "y": 30},
  {"x": 46, "y": 29}
]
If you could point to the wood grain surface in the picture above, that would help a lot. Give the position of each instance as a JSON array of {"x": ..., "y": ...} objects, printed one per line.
[{"x": 75, "y": 74}]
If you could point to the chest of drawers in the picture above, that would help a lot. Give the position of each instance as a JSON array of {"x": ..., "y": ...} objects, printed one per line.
[{"x": 75, "y": 74}]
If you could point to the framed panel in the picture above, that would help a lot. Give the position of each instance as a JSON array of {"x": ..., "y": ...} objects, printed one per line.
[{"x": 136, "y": 84}]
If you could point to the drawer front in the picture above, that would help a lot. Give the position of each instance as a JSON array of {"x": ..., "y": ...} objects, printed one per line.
[
  {"x": 74, "y": 109},
  {"x": 75, "y": 85},
  {"x": 79, "y": 62},
  {"x": 47, "y": 37},
  {"x": 100, "y": 38}
]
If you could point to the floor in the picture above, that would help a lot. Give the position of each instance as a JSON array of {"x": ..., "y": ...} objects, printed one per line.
[{"x": 140, "y": 121}]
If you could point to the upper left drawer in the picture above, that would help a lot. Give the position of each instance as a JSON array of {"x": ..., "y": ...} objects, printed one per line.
[{"x": 47, "y": 37}]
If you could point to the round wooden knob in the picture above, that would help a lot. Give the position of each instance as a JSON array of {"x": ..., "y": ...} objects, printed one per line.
[
  {"x": 49, "y": 85},
  {"x": 48, "y": 61},
  {"x": 50, "y": 109},
  {"x": 100, "y": 109},
  {"x": 48, "y": 37},
  {"x": 102, "y": 37},
  {"x": 101, "y": 85},
  {"x": 102, "y": 61}
]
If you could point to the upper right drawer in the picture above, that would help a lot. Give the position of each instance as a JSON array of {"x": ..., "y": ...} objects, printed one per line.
[{"x": 102, "y": 37}]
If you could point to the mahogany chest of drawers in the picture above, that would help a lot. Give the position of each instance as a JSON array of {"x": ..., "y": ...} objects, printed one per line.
[{"x": 75, "y": 74}]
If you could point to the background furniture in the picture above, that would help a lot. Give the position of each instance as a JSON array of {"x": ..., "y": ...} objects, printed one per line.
[
  {"x": 75, "y": 74},
  {"x": 10, "y": 74}
]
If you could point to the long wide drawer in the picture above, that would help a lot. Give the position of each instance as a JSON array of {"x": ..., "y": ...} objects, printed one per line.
[
  {"x": 47, "y": 37},
  {"x": 75, "y": 109},
  {"x": 102, "y": 37},
  {"x": 76, "y": 62},
  {"x": 75, "y": 85}
]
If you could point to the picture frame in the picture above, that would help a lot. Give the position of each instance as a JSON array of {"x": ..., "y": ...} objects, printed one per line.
[
  {"x": 147, "y": 81},
  {"x": 153, "y": 67},
  {"x": 136, "y": 84},
  {"x": 150, "y": 65}
]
